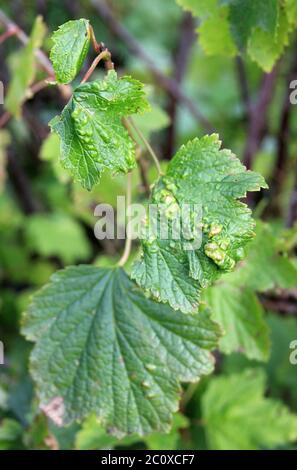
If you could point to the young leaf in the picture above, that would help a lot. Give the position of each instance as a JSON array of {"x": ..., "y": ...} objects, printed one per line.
[
  {"x": 71, "y": 45},
  {"x": 23, "y": 69},
  {"x": 240, "y": 314},
  {"x": 239, "y": 417},
  {"x": 93, "y": 137},
  {"x": 203, "y": 175},
  {"x": 103, "y": 347}
]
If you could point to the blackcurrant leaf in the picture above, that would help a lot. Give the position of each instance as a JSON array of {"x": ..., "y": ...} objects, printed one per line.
[
  {"x": 102, "y": 347},
  {"x": 229, "y": 27},
  {"x": 239, "y": 416},
  {"x": 203, "y": 175},
  {"x": 93, "y": 137},
  {"x": 70, "y": 47}
]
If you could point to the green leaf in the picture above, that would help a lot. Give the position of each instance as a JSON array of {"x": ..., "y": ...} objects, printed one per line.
[
  {"x": 241, "y": 316},
  {"x": 265, "y": 267},
  {"x": 239, "y": 417},
  {"x": 203, "y": 175},
  {"x": 154, "y": 120},
  {"x": 23, "y": 69},
  {"x": 214, "y": 28},
  {"x": 229, "y": 26},
  {"x": 199, "y": 7},
  {"x": 170, "y": 441},
  {"x": 104, "y": 348},
  {"x": 215, "y": 35},
  {"x": 246, "y": 15},
  {"x": 280, "y": 369},
  {"x": 266, "y": 47},
  {"x": 93, "y": 436},
  {"x": 93, "y": 137},
  {"x": 70, "y": 46},
  {"x": 289, "y": 239},
  {"x": 291, "y": 11},
  {"x": 57, "y": 235}
]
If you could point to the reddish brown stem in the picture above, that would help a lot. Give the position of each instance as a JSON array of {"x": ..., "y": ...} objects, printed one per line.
[
  {"x": 104, "y": 55},
  {"x": 96, "y": 45},
  {"x": 9, "y": 33},
  {"x": 4, "y": 119},
  {"x": 168, "y": 84}
]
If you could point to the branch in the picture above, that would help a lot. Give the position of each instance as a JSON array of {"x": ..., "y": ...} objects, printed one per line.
[
  {"x": 181, "y": 58},
  {"x": 168, "y": 84},
  {"x": 128, "y": 242},
  {"x": 42, "y": 59},
  {"x": 4, "y": 118},
  {"x": 258, "y": 117},
  {"x": 279, "y": 174},
  {"x": 243, "y": 84},
  {"x": 292, "y": 213}
]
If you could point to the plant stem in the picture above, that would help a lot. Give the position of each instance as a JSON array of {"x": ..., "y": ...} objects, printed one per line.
[
  {"x": 35, "y": 88},
  {"x": 95, "y": 44},
  {"x": 188, "y": 394},
  {"x": 10, "y": 32},
  {"x": 103, "y": 55},
  {"x": 168, "y": 84},
  {"x": 128, "y": 242},
  {"x": 4, "y": 118},
  {"x": 146, "y": 143},
  {"x": 38, "y": 86}
]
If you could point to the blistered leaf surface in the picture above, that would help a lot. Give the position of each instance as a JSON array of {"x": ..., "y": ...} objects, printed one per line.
[
  {"x": 104, "y": 348},
  {"x": 93, "y": 137},
  {"x": 201, "y": 175}
]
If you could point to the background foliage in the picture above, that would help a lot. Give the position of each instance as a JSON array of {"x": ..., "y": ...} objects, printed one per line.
[{"x": 234, "y": 80}]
